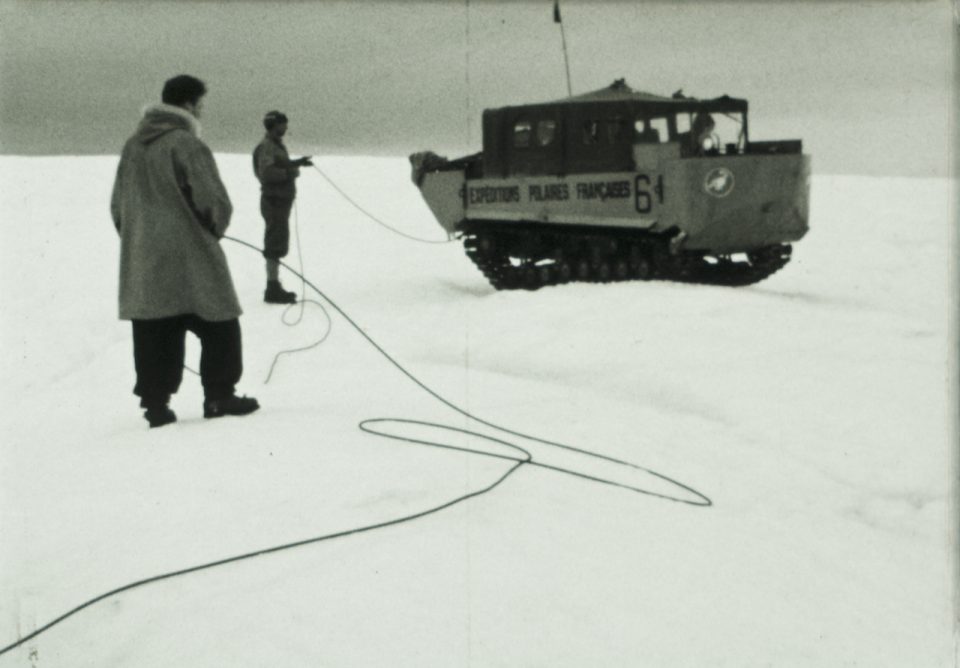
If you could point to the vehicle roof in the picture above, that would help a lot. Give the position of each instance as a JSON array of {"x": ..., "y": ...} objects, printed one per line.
[{"x": 620, "y": 93}]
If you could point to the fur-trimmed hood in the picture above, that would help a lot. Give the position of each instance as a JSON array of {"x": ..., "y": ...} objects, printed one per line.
[{"x": 159, "y": 119}]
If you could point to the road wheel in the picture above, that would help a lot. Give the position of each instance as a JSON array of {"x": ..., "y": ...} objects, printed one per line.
[
  {"x": 531, "y": 278},
  {"x": 485, "y": 244},
  {"x": 644, "y": 269},
  {"x": 603, "y": 272}
]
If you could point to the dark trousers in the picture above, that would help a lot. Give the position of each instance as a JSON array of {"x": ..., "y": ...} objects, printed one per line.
[
  {"x": 158, "y": 355},
  {"x": 276, "y": 217}
]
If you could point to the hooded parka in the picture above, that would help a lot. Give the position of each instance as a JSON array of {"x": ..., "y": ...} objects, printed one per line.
[{"x": 171, "y": 209}]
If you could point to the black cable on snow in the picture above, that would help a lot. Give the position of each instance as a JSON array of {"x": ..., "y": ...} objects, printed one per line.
[
  {"x": 705, "y": 501},
  {"x": 250, "y": 555},
  {"x": 300, "y": 303},
  {"x": 525, "y": 458},
  {"x": 374, "y": 218}
]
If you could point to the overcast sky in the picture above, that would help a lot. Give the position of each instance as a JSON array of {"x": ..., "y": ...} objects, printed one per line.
[{"x": 867, "y": 86}]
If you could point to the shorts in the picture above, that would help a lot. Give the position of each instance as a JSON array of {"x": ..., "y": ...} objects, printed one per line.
[{"x": 276, "y": 235}]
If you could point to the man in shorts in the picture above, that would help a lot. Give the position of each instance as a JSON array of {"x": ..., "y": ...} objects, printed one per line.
[{"x": 277, "y": 174}]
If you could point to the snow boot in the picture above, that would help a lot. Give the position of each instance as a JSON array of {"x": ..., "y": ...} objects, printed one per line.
[
  {"x": 232, "y": 405},
  {"x": 275, "y": 294},
  {"x": 158, "y": 416}
]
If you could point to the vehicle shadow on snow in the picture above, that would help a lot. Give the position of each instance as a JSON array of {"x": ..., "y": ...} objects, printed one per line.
[{"x": 477, "y": 289}]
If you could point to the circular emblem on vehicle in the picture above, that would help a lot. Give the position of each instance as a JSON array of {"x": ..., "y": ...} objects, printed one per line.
[{"x": 719, "y": 182}]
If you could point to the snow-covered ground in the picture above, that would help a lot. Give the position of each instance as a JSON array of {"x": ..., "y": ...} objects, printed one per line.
[{"x": 813, "y": 410}]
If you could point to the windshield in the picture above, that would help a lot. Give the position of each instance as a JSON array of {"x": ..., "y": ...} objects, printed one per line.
[{"x": 725, "y": 136}]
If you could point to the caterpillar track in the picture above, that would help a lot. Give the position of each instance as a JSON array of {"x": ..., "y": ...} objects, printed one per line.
[{"x": 531, "y": 256}]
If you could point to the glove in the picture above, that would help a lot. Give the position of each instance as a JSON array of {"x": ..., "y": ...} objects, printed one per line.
[{"x": 304, "y": 162}]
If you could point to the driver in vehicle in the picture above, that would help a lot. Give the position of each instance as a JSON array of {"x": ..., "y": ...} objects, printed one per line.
[{"x": 692, "y": 142}]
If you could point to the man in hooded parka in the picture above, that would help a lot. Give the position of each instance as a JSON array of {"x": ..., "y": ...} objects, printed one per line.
[{"x": 171, "y": 209}]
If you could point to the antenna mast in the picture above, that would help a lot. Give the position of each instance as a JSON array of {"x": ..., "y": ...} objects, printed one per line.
[
  {"x": 563, "y": 39},
  {"x": 466, "y": 51}
]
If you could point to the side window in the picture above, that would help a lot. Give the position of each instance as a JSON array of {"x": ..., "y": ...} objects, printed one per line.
[
  {"x": 591, "y": 132},
  {"x": 614, "y": 131},
  {"x": 651, "y": 131},
  {"x": 683, "y": 122},
  {"x": 546, "y": 132},
  {"x": 522, "y": 130},
  {"x": 660, "y": 125}
]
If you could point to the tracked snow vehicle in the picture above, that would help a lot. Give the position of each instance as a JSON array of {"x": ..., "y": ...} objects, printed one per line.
[{"x": 619, "y": 184}]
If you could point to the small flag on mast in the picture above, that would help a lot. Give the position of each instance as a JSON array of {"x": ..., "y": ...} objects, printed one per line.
[{"x": 556, "y": 11}]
